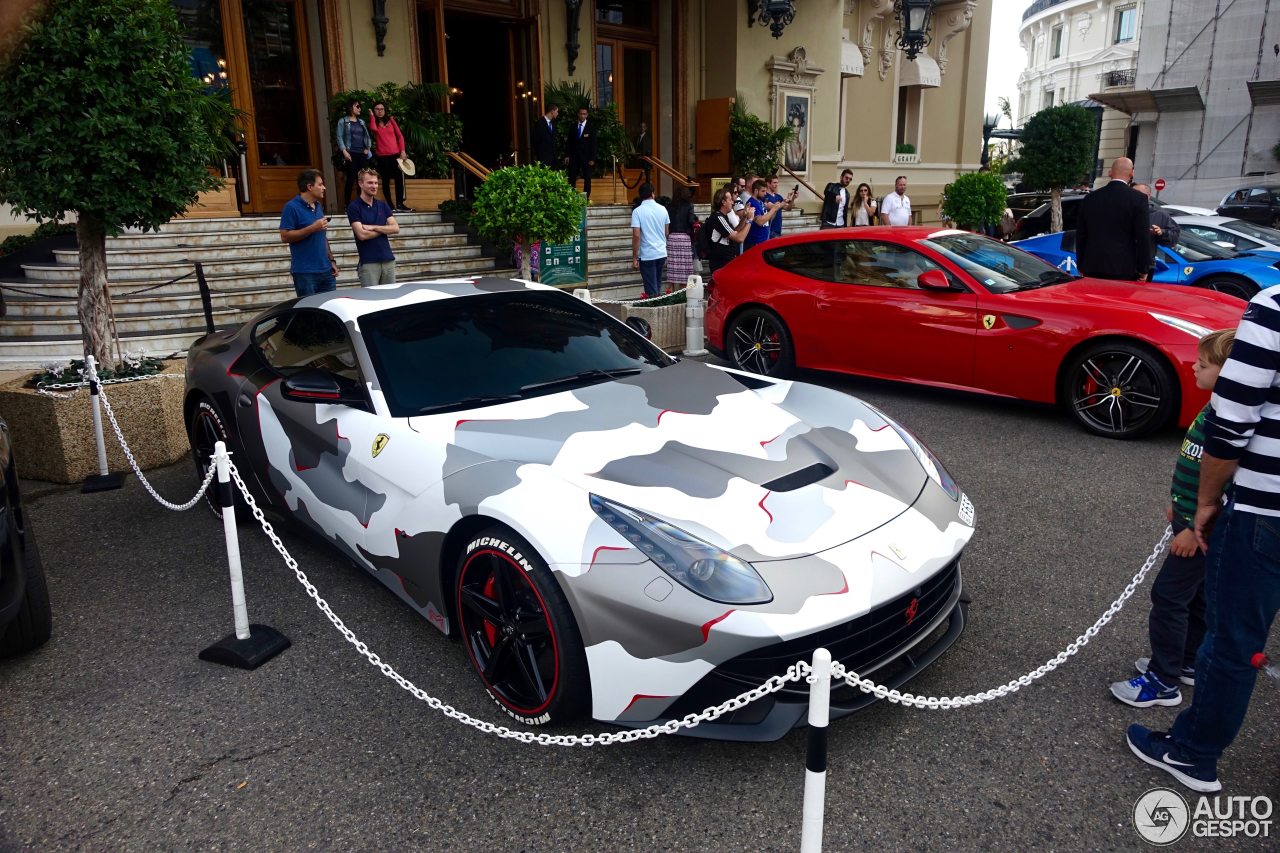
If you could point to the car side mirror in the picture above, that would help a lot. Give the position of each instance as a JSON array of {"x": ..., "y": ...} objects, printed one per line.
[
  {"x": 317, "y": 386},
  {"x": 933, "y": 280},
  {"x": 1161, "y": 266}
]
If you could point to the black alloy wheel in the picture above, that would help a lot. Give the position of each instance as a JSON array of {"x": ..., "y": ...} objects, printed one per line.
[
  {"x": 1119, "y": 390},
  {"x": 1239, "y": 287},
  {"x": 758, "y": 341},
  {"x": 32, "y": 625},
  {"x": 204, "y": 430},
  {"x": 519, "y": 632}
]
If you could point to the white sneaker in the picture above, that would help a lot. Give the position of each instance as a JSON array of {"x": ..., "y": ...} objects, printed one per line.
[{"x": 1187, "y": 676}]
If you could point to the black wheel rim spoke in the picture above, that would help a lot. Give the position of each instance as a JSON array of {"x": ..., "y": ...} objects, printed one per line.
[
  {"x": 486, "y": 608},
  {"x": 1117, "y": 392}
]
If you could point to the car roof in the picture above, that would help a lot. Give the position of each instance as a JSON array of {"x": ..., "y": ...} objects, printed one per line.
[
  {"x": 1190, "y": 219},
  {"x": 352, "y": 302},
  {"x": 875, "y": 232}
]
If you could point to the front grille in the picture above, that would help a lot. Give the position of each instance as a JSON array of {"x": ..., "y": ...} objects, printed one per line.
[{"x": 861, "y": 644}]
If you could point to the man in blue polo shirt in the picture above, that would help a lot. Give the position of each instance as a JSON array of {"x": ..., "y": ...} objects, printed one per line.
[
  {"x": 302, "y": 226},
  {"x": 771, "y": 196},
  {"x": 761, "y": 213},
  {"x": 372, "y": 221}
]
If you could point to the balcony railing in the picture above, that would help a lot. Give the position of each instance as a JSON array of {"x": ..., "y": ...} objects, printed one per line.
[
  {"x": 1125, "y": 77},
  {"x": 1040, "y": 6}
]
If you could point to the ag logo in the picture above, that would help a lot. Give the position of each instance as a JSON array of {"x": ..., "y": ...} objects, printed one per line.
[
  {"x": 1161, "y": 816},
  {"x": 380, "y": 442},
  {"x": 988, "y": 320}
]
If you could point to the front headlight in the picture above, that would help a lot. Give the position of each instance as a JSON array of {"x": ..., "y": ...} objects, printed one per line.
[
  {"x": 699, "y": 566},
  {"x": 1194, "y": 329},
  {"x": 931, "y": 464}
]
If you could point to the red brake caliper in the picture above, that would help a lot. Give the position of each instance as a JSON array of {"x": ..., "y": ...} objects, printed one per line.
[{"x": 490, "y": 629}]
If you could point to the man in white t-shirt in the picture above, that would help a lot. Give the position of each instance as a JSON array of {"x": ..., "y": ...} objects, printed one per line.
[
  {"x": 650, "y": 225},
  {"x": 896, "y": 209}
]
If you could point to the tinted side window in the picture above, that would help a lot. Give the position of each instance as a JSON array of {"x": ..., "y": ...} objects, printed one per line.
[
  {"x": 818, "y": 259},
  {"x": 1259, "y": 196},
  {"x": 883, "y": 264},
  {"x": 303, "y": 339}
]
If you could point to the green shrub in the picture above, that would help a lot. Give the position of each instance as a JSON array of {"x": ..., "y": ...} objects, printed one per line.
[
  {"x": 21, "y": 241},
  {"x": 528, "y": 203},
  {"x": 904, "y": 148},
  {"x": 975, "y": 199},
  {"x": 429, "y": 132},
  {"x": 755, "y": 146}
]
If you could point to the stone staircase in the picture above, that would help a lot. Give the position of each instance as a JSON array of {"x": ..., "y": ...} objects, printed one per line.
[{"x": 247, "y": 268}]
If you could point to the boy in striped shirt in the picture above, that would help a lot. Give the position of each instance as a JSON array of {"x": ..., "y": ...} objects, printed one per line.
[
  {"x": 1176, "y": 623},
  {"x": 1242, "y": 544}
]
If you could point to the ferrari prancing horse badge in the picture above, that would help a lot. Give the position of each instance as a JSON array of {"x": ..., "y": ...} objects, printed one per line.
[
  {"x": 380, "y": 442},
  {"x": 988, "y": 320}
]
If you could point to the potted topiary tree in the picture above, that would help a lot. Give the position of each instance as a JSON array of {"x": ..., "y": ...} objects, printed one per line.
[
  {"x": 527, "y": 204},
  {"x": 755, "y": 146},
  {"x": 975, "y": 200},
  {"x": 1057, "y": 150}
]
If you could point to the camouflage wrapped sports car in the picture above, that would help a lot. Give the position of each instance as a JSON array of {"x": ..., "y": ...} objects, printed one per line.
[{"x": 609, "y": 530}]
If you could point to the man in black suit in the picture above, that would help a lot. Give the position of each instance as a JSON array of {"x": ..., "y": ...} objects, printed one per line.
[
  {"x": 582, "y": 151},
  {"x": 1111, "y": 232},
  {"x": 1163, "y": 230},
  {"x": 544, "y": 139}
]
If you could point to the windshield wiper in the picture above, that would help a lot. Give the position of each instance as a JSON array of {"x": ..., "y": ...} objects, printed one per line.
[
  {"x": 467, "y": 402},
  {"x": 1047, "y": 278},
  {"x": 593, "y": 373}
]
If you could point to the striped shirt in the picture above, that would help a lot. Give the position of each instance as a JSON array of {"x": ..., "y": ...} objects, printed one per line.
[{"x": 1244, "y": 414}]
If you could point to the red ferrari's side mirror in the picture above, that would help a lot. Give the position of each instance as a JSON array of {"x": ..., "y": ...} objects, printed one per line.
[{"x": 933, "y": 280}]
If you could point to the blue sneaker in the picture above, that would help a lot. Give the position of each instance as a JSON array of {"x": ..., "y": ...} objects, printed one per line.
[
  {"x": 1158, "y": 750},
  {"x": 1146, "y": 690},
  {"x": 1187, "y": 676}
]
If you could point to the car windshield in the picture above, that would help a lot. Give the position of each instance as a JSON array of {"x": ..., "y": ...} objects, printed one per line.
[
  {"x": 997, "y": 267},
  {"x": 473, "y": 351},
  {"x": 1195, "y": 248},
  {"x": 1261, "y": 233}
]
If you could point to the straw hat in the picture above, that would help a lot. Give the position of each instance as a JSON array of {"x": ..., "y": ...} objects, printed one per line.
[{"x": 406, "y": 166}]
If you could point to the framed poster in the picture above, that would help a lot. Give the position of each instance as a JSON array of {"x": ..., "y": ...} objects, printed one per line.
[{"x": 795, "y": 154}]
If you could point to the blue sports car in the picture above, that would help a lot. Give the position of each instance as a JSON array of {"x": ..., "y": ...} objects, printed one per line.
[{"x": 1194, "y": 261}]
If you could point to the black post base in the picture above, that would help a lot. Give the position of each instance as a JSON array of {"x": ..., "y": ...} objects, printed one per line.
[
  {"x": 102, "y": 483},
  {"x": 263, "y": 644}
]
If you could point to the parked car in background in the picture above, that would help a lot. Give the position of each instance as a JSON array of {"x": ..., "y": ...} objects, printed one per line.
[
  {"x": 1193, "y": 261},
  {"x": 1238, "y": 234},
  {"x": 1037, "y": 221},
  {"x": 959, "y": 310},
  {"x": 25, "y": 616},
  {"x": 1257, "y": 204},
  {"x": 1023, "y": 203}
]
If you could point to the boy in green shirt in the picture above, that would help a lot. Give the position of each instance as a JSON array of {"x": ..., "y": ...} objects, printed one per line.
[{"x": 1176, "y": 624}]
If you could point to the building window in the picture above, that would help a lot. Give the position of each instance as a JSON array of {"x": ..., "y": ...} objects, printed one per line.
[
  {"x": 1126, "y": 23},
  {"x": 1048, "y": 99},
  {"x": 1055, "y": 43},
  {"x": 909, "y": 100}
]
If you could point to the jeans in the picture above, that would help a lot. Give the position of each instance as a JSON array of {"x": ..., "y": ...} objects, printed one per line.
[
  {"x": 1242, "y": 593},
  {"x": 651, "y": 275},
  {"x": 1176, "y": 623},
  {"x": 377, "y": 272},
  {"x": 307, "y": 283}
]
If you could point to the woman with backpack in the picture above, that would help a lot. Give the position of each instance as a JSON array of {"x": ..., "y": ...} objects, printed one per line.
[{"x": 680, "y": 238}]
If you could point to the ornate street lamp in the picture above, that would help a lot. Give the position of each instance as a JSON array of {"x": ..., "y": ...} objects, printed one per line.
[
  {"x": 774, "y": 14},
  {"x": 913, "y": 25},
  {"x": 989, "y": 122}
]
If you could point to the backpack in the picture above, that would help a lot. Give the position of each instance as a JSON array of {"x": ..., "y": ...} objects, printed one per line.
[{"x": 702, "y": 239}]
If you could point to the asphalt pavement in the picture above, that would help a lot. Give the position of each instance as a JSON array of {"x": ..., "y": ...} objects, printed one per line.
[{"x": 116, "y": 737}]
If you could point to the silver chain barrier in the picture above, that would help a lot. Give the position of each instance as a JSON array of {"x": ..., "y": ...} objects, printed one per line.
[
  {"x": 866, "y": 685},
  {"x": 795, "y": 672},
  {"x": 46, "y": 389},
  {"x": 638, "y": 300},
  {"x": 133, "y": 463}
]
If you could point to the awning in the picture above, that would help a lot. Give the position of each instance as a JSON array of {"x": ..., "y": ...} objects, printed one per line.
[
  {"x": 850, "y": 59},
  {"x": 1184, "y": 99},
  {"x": 1264, "y": 92},
  {"x": 922, "y": 72}
]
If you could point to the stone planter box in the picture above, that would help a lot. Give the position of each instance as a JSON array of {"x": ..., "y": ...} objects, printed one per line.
[
  {"x": 427, "y": 193},
  {"x": 55, "y": 436},
  {"x": 215, "y": 204},
  {"x": 666, "y": 323}
]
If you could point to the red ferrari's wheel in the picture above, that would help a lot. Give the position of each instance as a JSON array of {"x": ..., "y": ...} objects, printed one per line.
[
  {"x": 519, "y": 632},
  {"x": 758, "y": 341},
  {"x": 1120, "y": 390}
]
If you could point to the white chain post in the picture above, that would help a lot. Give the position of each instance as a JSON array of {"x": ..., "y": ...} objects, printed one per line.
[
  {"x": 104, "y": 480},
  {"x": 815, "y": 765},
  {"x": 226, "y": 500},
  {"x": 251, "y": 645},
  {"x": 695, "y": 310},
  {"x": 582, "y": 293}
]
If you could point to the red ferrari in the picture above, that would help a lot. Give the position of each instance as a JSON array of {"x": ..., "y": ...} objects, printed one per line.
[{"x": 959, "y": 310}]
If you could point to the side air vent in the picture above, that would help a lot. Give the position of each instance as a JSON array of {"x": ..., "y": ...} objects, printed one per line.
[{"x": 798, "y": 479}]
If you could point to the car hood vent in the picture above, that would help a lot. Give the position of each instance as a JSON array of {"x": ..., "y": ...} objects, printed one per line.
[{"x": 797, "y": 479}]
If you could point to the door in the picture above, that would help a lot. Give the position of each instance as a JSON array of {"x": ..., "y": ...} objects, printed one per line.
[
  {"x": 872, "y": 317},
  {"x": 307, "y": 445},
  {"x": 524, "y": 41}
]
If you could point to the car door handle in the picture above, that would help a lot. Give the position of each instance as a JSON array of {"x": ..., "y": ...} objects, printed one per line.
[{"x": 245, "y": 400}]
